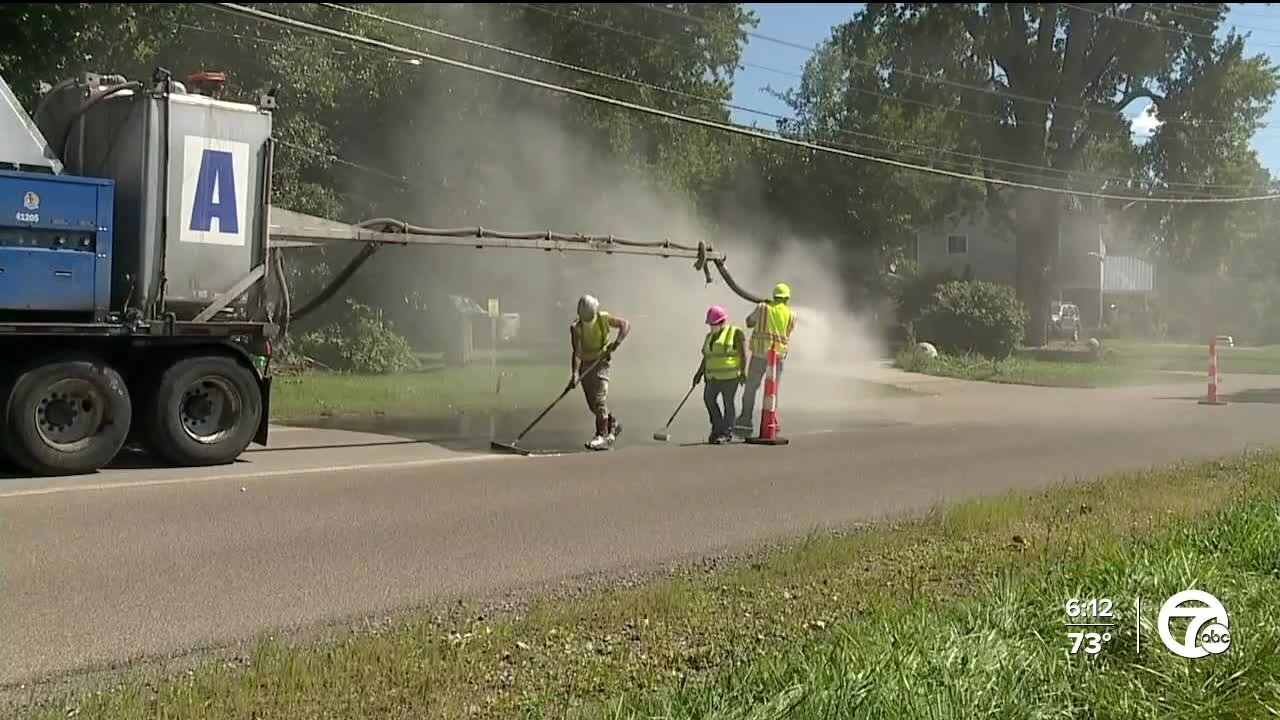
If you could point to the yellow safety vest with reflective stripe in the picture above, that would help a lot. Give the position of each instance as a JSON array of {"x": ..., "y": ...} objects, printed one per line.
[
  {"x": 720, "y": 350},
  {"x": 774, "y": 322},
  {"x": 593, "y": 336}
]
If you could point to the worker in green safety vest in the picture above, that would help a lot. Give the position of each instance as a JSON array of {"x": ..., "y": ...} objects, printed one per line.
[
  {"x": 771, "y": 323},
  {"x": 592, "y": 352},
  {"x": 724, "y": 365}
]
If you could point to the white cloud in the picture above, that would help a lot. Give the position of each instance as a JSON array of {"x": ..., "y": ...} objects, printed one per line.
[{"x": 1145, "y": 122}]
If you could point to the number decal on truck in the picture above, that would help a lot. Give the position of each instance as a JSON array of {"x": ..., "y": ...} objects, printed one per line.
[{"x": 28, "y": 217}]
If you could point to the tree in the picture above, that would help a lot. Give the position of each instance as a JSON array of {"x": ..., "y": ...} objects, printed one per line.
[{"x": 1036, "y": 93}]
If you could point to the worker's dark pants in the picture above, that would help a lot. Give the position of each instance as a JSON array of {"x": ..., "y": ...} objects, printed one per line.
[
  {"x": 713, "y": 393},
  {"x": 755, "y": 378}
]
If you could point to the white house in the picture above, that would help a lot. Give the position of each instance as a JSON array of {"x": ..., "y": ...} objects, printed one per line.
[{"x": 971, "y": 241}]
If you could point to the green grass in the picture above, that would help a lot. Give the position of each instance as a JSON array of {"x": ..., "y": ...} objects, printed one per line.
[
  {"x": 1195, "y": 358},
  {"x": 956, "y": 614},
  {"x": 435, "y": 393},
  {"x": 1028, "y": 371},
  {"x": 445, "y": 392},
  {"x": 1002, "y": 650}
]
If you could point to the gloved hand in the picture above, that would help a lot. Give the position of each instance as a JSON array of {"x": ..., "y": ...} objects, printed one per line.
[
  {"x": 573, "y": 380},
  {"x": 613, "y": 347},
  {"x": 697, "y": 376},
  {"x": 742, "y": 379}
]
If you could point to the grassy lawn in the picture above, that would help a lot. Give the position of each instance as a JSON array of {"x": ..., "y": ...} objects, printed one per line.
[
  {"x": 958, "y": 614},
  {"x": 440, "y": 392},
  {"x": 434, "y": 393},
  {"x": 1195, "y": 358},
  {"x": 1027, "y": 371}
]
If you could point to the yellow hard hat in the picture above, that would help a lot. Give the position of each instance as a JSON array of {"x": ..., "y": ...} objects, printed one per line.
[{"x": 781, "y": 291}]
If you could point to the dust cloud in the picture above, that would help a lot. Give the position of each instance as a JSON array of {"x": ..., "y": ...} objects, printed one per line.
[{"x": 524, "y": 169}]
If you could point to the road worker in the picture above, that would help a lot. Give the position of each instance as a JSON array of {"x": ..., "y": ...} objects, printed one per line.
[
  {"x": 592, "y": 353},
  {"x": 724, "y": 365},
  {"x": 771, "y": 324}
]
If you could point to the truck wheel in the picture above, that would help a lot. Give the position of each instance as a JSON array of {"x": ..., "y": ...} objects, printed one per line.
[
  {"x": 205, "y": 411},
  {"x": 67, "y": 416}
]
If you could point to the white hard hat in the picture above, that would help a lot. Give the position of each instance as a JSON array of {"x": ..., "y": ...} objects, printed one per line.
[{"x": 588, "y": 306}]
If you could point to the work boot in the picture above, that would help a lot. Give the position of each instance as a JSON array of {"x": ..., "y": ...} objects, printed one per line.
[
  {"x": 598, "y": 443},
  {"x": 615, "y": 429}
]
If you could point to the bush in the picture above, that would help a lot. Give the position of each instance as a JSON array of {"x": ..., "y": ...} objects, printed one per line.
[
  {"x": 916, "y": 290},
  {"x": 360, "y": 342},
  {"x": 974, "y": 317}
]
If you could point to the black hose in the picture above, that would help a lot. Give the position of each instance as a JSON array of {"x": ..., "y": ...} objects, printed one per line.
[
  {"x": 86, "y": 106},
  {"x": 734, "y": 286},
  {"x": 333, "y": 287},
  {"x": 285, "y": 303},
  {"x": 44, "y": 101}
]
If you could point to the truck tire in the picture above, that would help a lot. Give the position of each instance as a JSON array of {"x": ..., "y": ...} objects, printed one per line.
[
  {"x": 67, "y": 415},
  {"x": 205, "y": 411}
]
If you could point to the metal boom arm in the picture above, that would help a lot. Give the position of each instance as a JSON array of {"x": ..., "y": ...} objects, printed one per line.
[{"x": 291, "y": 229}]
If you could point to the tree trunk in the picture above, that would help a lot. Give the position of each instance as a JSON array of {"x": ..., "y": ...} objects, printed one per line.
[{"x": 1039, "y": 216}]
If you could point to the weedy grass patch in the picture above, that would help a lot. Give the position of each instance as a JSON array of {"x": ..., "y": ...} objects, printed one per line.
[{"x": 1002, "y": 650}]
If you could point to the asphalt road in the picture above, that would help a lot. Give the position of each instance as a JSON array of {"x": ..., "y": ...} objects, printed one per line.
[{"x": 138, "y": 562}]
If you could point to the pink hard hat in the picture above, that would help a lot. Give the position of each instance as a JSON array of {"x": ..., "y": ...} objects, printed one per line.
[{"x": 716, "y": 315}]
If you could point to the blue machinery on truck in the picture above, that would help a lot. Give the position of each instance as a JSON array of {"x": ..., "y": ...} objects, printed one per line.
[{"x": 136, "y": 241}]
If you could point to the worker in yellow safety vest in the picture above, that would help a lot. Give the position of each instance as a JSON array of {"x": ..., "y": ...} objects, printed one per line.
[
  {"x": 771, "y": 325},
  {"x": 724, "y": 365},
  {"x": 589, "y": 338}
]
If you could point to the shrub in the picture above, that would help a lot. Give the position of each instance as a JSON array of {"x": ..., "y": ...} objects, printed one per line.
[
  {"x": 361, "y": 342},
  {"x": 916, "y": 291},
  {"x": 974, "y": 317}
]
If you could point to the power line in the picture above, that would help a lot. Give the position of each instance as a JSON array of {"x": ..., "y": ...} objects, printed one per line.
[
  {"x": 1205, "y": 18},
  {"x": 907, "y": 73},
  {"x": 986, "y": 117},
  {"x": 642, "y": 36},
  {"x": 734, "y": 129},
  {"x": 928, "y": 78},
  {"x": 334, "y": 158},
  {"x": 1145, "y": 23},
  {"x": 926, "y": 150},
  {"x": 722, "y": 104}
]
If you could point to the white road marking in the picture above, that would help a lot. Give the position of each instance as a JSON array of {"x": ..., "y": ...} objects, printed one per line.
[{"x": 248, "y": 476}]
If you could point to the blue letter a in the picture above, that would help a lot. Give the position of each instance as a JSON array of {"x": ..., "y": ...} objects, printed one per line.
[{"x": 216, "y": 173}]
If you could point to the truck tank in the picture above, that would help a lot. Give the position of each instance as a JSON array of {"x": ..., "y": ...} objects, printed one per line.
[{"x": 192, "y": 180}]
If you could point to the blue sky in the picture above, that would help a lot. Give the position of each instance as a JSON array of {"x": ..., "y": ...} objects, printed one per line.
[{"x": 810, "y": 23}]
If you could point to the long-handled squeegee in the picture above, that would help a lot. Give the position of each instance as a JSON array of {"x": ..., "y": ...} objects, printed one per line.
[
  {"x": 512, "y": 448},
  {"x": 663, "y": 435}
]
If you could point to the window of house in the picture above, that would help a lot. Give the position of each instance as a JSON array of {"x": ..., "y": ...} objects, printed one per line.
[{"x": 957, "y": 244}]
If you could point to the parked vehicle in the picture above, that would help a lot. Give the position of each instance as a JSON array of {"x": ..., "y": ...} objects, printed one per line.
[{"x": 1064, "y": 321}]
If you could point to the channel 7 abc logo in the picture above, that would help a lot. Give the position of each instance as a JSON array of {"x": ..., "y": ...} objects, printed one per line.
[{"x": 1207, "y": 628}]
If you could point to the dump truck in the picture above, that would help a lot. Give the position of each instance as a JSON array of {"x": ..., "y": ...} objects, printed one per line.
[{"x": 140, "y": 284}]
